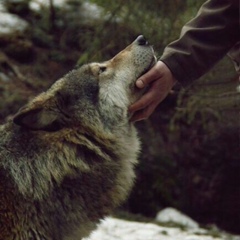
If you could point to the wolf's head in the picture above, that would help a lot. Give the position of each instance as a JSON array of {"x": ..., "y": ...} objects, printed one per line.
[{"x": 97, "y": 92}]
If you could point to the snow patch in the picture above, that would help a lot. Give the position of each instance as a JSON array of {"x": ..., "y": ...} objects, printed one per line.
[
  {"x": 10, "y": 23},
  {"x": 91, "y": 11},
  {"x": 36, "y": 5},
  {"x": 238, "y": 88},
  {"x": 173, "y": 215}
]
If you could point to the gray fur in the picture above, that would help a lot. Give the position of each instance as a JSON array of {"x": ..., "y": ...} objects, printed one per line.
[{"x": 67, "y": 158}]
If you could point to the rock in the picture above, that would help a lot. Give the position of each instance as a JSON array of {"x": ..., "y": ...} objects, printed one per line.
[{"x": 174, "y": 216}]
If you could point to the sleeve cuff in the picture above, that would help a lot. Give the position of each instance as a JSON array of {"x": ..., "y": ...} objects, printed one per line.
[{"x": 183, "y": 76}]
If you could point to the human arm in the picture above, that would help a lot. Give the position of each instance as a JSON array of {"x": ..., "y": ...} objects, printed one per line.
[
  {"x": 204, "y": 40},
  {"x": 202, "y": 43}
]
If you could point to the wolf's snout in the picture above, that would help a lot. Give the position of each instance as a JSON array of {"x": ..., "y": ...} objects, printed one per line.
[{"x": 141, "y": 40}]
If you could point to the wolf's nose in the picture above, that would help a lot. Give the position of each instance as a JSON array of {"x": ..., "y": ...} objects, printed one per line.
[{"x": 141, "y": 40}]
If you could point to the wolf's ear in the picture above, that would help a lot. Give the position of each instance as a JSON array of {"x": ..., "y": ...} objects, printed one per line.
[{"x": 37, "y": 119}]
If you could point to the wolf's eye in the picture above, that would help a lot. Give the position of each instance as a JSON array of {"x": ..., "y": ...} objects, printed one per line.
[{"x": 102, "y": 69}]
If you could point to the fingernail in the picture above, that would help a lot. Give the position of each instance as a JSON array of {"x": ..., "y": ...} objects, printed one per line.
[{"x": 140, "y": 83}]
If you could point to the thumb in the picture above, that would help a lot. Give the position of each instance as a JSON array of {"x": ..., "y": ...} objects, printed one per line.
[{"x": 153, "y": 74}]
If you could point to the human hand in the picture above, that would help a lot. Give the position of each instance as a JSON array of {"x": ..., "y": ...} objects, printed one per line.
[{"x": 161, "y": 82}]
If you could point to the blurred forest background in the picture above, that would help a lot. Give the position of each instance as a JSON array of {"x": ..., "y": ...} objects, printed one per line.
[{"x": 191, "y": 146}]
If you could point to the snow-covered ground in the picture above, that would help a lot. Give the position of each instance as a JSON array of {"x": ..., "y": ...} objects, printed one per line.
[
  {"x": 116, "y": 229},
  {"x": 186, "y": 229}
]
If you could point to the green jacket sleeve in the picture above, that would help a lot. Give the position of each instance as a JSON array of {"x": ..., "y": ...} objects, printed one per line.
[{"x": 204, "y": 40}]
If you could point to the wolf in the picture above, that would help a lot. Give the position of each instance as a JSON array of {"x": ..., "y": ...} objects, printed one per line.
[{"x": 67, "y": 157}]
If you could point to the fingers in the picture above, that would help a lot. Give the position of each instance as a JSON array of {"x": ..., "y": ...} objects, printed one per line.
[
  {"x": 144, "y": 113},
  {"x": 150, "y": 76},
  {"x": 160, "y": 80},
  {"x": 145, "y": 106},
  {"x": 154, "y": 94},
  {"x": 138, "y": 116},
  {"x": 143, "y": 102}
]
